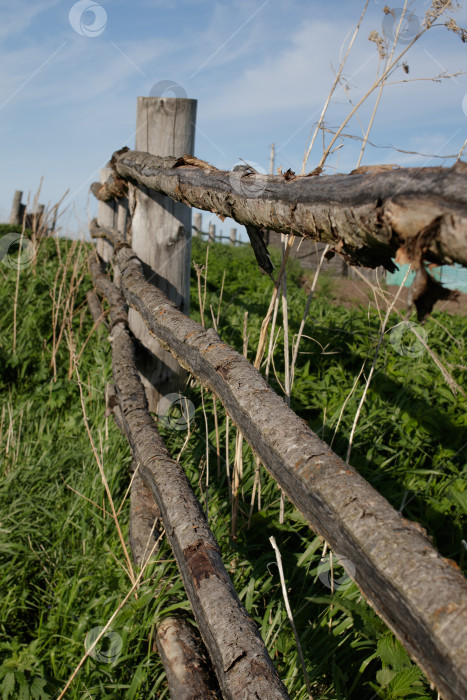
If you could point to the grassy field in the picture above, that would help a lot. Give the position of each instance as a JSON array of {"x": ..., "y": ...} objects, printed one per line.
[{"x": 62, "y": 567}]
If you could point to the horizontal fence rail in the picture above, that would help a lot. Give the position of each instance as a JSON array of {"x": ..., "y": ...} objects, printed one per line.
[
  {"x": 243, "y": 666},
  {"x": 368, "y": 216},
  {"x": 420, "y": 595}
]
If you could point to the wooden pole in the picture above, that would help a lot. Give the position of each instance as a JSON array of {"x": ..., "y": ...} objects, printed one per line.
[
  {"x": 107, "y": 217},
  {"x": 197, "y": 223},
  {"x": 16, "y": 209},
  {"x": 212, "y": 233},
  {"x": 161, "y": 234},
  {"x": 272, "y": 158},
  {"x": 233, "y": 236}
]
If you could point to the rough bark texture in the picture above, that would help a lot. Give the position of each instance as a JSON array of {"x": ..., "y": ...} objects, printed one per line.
[
  {"x": 419, "y": 594},
  {"x": 114, "y": 188},
  {"x": 95, "y": 307},
  {"x": 144, "y": 518},
  {"x": 366, "y": 215},
  {"x": 242, "y": 664},
  {"x": 107, "y": 216},
  {"x": 184, "y": 661}
]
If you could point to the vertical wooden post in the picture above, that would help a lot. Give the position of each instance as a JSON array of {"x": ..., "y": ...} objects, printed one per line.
[
  {"x": 107, "y": 217},
  {"x": 212, "y": 233},
  {"x": 272, "y": 158},
  {"x": 197, "y": 223},
  {"x": 38, "y": 217},
  {"x": 16, "y": 209},
  {"x": 233, "y": 236},
  {"x": 161, "y": 234}
]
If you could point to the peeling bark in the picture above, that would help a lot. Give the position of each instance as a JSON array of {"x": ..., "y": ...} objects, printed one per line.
[
  {"x": 241, "y": 661},
  {"x": 115, "y": 188},
  {"x": 184, "y": 661},
  {"x": 370, "y": 214},
  {"x": 420, "y": 595}
]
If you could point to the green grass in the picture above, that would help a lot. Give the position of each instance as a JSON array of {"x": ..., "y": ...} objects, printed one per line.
[{"x": 58, "y": 571}]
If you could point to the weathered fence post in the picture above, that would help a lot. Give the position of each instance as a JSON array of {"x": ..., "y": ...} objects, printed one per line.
[
  {"x": 233, "y": 236},
  {"x": 106, "y": 217},
  {"x": 212, "y": 233},
  {"x": 38, "y": 216},
  {"x": 17, "y": 209},
  {"x": 198, "y": 223},
  {"x": 161, "y": 234}
]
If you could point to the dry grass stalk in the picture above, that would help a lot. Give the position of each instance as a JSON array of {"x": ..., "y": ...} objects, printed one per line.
[
  {"x": 111, "y": 619},
  {"x": 448, "y": 378},
  {"x": 436, "y": 10},
  {"x": 237, "y": 473},
  {"x": 295, "y": 345},
  {"x": 372, "y": 369},
  {"x": 290, "y": 616},
  {"x": 206, "y": 462},
  {"x": 332, "y": 90},
  {"x": 218, "y": 440},
  {"x": 71, "y": 345},
  {"x": 267, "y": 318}
]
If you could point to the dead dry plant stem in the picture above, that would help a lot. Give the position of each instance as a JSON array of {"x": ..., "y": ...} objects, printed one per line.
[
  {"x": 267, "y": 318},
  {"x": 100, "y": 466},
  {"x": 237, "y": 473},
  {"x": 271, "y": 339},
  {"x": 220, "y": 300},
  {"x": 218, "y": 440},
  {"x": 285, "y": 323},
  {"x": 375, "y": 85},
  {"x": 331, "y": 92},
  {"x": 305, "y": 316},
  {"x": 112, "y": 618},
  {"x": 346, "y": 402},
  {"x": 370, "y": 375},
  {"x": 381, "y": 87},
  {"x": 18, "y": 268},
  {"x": 206, "y": 429},
  {"x": 289, "y": 614}
]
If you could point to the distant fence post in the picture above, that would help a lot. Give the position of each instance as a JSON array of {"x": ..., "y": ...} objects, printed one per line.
[
  {"x": 233, "y": 236},
  {"x": 198, "y": 223},
  {"x": 17, "y": 209},
  {"x": 212, "y": 233},
  {"x": 161, "y": 234},
  {"x": 39, "y": 216},
  {"x": 106, "y": 217}
]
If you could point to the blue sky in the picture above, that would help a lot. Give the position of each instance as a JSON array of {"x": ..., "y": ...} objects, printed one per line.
[{"x": 260, "y": 70}]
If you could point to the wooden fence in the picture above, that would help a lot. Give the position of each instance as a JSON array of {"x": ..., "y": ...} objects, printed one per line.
[
  {"x": 367, "y": 216},
  {"x": 35, "y": 220}
]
